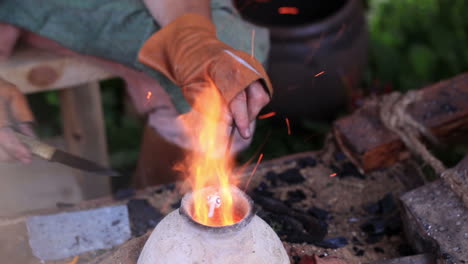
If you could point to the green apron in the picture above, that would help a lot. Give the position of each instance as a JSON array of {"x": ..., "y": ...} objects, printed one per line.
[{"x": 116, "y": 29}]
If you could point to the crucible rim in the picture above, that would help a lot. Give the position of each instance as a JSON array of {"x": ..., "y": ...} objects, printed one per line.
[{"x": 183, "y": 211}]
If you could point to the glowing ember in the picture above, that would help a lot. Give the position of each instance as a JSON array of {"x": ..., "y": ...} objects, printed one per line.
[
  {"x": 148, "y": 95},
  {"x": 318, "y": 74},
  {"x": 267, "y": 115},
  {"x": 288, "y": 125},
  {"x": 209, "y": 165},
  {"x": 333, "y": 175},
  {"x": 254, "y": 170},
  {"x": 288, "y": 10}
]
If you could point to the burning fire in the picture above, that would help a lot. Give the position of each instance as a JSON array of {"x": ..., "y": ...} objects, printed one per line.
[{"x": 210, "y": 165}]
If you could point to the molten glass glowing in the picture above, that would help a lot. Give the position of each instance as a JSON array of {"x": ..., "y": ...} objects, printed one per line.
[{"x": 209, "y": 165}]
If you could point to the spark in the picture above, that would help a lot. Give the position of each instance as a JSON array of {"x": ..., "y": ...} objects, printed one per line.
[
  {"x": 288, "y": 125},
  {"x": 252, "y": 44},
  {"x": 148, "y": 95},
  {"x": 318, "y": 74},
  {"x": 267, "y": 115},
  {"x": 333, "y": 175},
  {"x": 253, "y": 171},
  {"x": 288, "y": 10}
]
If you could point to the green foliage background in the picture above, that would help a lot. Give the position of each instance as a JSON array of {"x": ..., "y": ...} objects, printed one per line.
[{"x": 417, "y": 42}]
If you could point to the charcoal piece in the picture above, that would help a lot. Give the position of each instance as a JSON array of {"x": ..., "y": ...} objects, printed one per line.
[
  {"x": 262, "y": 189},
  {"x": 123, "y": 194},
  {"x": 394, "y": 226},
  {"x": 375, "y": 226},
  {"x": 170, "y": 186},
  {"x": 176, "y": 205},
  {"x": 318, "y": 213},
  {"x": 315, "y": 229},
  {"x": 291, "y": 176},
  {"x": 299, "y": 238},
  {"x": 272, "y": 177},
  {"x": 270, "y": 204},
  {"x": 332, "y": 243},
  {"x": 358, "y": 252},
  {"x": 406, "y": 250},
  {"x": 356, "y": 241},
  {"x": 349, "y": 170},
  {"x": 286, "y": 225},
  {"x": 387, "y": 204},
  {"x": 296, "y": 196},
  {"x": 384, "y": 206},
  {"x": 306, "y": 162},
  {"x": 379, "y": 250},
  {"x": 296, "y": 259},
  {"x": 158, "y": 190},
  {"x": 339, "y": 156},
  {"x": 143, "y": 216},
  {"x": 372, "y": 239},
  {"x": 372, "y": 208}
]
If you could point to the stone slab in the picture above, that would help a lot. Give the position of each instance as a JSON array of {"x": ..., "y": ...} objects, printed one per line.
[
  {"x": 436, "y": 221},
  {"x": 59, "y": 236}
]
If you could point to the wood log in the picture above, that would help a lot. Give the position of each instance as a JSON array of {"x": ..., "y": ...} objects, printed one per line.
[{"x": 365, "y": 140}]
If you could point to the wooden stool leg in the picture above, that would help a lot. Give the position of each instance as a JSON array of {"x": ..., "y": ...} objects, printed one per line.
[{"x": 84, "y": 131}]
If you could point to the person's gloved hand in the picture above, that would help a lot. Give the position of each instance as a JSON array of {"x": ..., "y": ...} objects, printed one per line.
[
  {"x": 188, "y": 52},
  {"x": 14, "y": 112}
]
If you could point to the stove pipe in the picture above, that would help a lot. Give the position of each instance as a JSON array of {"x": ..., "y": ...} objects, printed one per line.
[{"x": 178, "y": 238}]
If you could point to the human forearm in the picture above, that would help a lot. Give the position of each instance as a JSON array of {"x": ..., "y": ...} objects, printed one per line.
[{"x": 165, "y": 11}]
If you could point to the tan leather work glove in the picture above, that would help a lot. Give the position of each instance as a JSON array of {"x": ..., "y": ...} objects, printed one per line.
[
  {"x": 188, "y": 52},
  {"x": 14, "y": 112}
]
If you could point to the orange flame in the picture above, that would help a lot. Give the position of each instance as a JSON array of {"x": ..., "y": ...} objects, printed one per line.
[{"x": 209, "y": 165}]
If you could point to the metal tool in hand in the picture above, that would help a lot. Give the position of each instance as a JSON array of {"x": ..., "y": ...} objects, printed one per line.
[{"x": 50, "y": 153}]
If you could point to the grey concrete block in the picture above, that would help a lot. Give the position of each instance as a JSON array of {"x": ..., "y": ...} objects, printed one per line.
[
  {"x": 437, "y": 222},
  {"x": 59, "y": 236}
]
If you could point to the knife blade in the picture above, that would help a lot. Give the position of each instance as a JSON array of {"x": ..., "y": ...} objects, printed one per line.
[{"x": 53, "y": 154}]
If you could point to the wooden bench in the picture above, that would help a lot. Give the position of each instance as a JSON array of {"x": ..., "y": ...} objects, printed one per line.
[{"x": 76, "y": 81}]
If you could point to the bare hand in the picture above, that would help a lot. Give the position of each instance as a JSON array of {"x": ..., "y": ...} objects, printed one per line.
[
  {"x": 11, "y": 149},
  {"x": 14, "y": 112},
  {"x": 246, "y": 105}
]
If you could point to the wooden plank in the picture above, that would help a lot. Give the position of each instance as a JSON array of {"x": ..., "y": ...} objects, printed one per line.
[
  {"x": 34, "y": 70},
  {"x": 370, "y": 145},
  {"x": 83, "y": 127}
]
